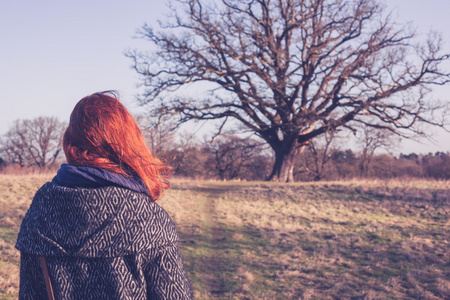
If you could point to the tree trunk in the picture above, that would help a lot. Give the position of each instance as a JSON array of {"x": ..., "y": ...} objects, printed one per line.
[{"x": 283, "y": 167}]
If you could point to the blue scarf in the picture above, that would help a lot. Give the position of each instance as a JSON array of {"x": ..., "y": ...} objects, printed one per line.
[{"x": 89, "y": 177}]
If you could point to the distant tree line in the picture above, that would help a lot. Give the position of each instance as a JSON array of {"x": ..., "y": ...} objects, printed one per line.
[
  {"x": 234, "y": 158},
  {"x": 37, "y": 143}
]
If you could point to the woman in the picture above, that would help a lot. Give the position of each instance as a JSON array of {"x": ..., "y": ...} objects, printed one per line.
[{"x": 95, "y": 231}]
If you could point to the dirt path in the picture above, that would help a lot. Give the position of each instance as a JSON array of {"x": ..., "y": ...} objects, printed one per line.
[{"x": 218, "y": 264}]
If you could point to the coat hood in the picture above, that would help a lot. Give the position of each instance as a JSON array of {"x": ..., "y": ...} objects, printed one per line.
[{"x": 93, "y": 222}]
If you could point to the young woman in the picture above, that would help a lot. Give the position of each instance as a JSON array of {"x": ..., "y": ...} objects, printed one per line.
[{"x": 95, "y": 231}]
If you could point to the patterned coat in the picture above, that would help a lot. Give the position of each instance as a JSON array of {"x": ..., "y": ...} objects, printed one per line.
[{"x": 100, "y": 243}]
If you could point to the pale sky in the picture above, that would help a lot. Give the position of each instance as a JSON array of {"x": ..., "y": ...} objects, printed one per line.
[{"x": 53, "y": 53}]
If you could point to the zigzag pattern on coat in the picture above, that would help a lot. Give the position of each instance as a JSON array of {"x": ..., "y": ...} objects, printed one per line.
[{"x": 100, "y": 243}]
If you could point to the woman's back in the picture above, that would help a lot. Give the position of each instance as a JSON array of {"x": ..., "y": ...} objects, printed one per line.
[{"x": 100, "y": 243}]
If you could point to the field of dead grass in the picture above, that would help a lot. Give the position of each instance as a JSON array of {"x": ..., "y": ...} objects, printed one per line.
[
  {"x": 328, "y": 240},
  {"x": 16, "y": 193}
]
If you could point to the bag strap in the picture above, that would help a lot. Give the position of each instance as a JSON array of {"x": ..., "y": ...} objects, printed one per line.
[{"x": 48, "y": 283}]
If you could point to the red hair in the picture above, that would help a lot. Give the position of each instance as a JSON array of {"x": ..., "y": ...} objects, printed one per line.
[{"x": 103, "y": 134}]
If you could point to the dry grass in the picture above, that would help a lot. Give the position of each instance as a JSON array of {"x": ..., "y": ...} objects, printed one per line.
[
  {"x": 16, "y": 193},
  {"x": 328, "y": 240}
]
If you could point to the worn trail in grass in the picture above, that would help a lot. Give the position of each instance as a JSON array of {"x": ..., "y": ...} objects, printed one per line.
[
  {"x": 217, "y": 263},
  {"x": 208, "y": 248}
]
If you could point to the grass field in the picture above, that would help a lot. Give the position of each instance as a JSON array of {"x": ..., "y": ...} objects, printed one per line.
[{"x": 328, "y": 240}]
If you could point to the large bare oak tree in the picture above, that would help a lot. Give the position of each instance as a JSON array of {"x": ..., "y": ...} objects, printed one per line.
[{"x": 291, "y": 70}]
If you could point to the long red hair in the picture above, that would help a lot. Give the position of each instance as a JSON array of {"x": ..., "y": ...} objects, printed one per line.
[{"x": 103, "y": 134}]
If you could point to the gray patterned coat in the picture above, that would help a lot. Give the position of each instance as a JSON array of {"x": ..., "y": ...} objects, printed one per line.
[{"x": 100, "y": 243}]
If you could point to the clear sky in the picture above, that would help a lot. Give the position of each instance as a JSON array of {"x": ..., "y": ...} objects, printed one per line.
[{"x": 53, "y": 53}]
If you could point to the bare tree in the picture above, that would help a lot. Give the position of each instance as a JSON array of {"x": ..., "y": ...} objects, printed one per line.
[
  {"x": 232, "y": 155},
  {"x": 159, "y": 134},
  {"x": 34, "y": 142},
  {"x": 13, "y": 149},
  {"x": 370, "y": 140},
  {"x": 291, "y": 70},
  {"x": 317, "y": 155},
  {"x": 188, "y": 156}
]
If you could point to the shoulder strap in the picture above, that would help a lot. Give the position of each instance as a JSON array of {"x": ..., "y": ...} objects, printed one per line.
[{"x": 48, "y": 283}]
